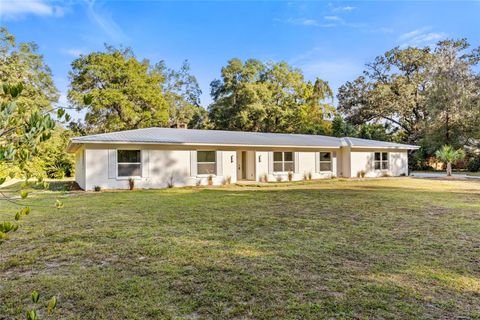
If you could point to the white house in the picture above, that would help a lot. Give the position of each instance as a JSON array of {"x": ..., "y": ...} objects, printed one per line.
[{"x": 155, "y": 157}]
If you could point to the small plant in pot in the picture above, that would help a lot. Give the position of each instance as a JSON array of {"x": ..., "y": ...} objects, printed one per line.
[{"x": 131, "y": 183}]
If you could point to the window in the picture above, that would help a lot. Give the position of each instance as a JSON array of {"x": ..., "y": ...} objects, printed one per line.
[
  {"x": 381, "y": 160},
  {"x": 325, "y": 161},
  {"x": 129, "y": 163},
  {"x": 282, "y": 161},
  {"x": 206, "y": 162}
]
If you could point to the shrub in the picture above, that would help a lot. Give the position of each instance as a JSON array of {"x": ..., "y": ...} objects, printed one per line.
[
  {"x": 210, "y": 180},
  {"x": 290, "y": 176},
  {"x": 131, "y": 183},
  {"x": 474, "y": 164},
  {"x": 309, "y": 176},
  {"x": 361, "y": 174},
  {"x": 97, "y": 188}
]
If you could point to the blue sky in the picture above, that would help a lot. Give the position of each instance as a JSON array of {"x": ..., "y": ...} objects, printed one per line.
[{"x": 330, "y": 40}]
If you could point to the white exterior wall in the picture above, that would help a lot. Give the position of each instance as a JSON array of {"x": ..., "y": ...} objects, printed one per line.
[
  {"x": 159, "y": 167},
  {"x": 261, "y": 162},
  {"x": 305, "y": 163},
  {"x": 364, "y": 160},
  {"x": 80, "y": 168},
  {"x": 399, "y": 163},
  {"x": 96, "y": 166},
  {"x": 230, "y": 165}
]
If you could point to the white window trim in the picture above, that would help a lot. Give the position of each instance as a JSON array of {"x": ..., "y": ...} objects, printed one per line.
[
  {"x": 320, "y": 162},
  {"x": 141, "y": 165},
  {"x": 381, "y": 161},
  {"x": 283, "y": 162},
  {"x": 206, "y": 175}
]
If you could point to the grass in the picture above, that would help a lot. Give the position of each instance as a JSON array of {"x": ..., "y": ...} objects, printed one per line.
[{"x": 347, "y": 249}]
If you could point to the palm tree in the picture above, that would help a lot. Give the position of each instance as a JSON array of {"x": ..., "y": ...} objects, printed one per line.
[{"x": 449, "y": 155}]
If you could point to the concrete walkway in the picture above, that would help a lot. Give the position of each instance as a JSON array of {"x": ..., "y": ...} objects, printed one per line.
[{"x": 442, "y": 175}]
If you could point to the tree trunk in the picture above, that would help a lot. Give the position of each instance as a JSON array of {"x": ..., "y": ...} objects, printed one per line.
[
  {"x": 447, "y": 128},
  {"x": 449, "y": 169}
]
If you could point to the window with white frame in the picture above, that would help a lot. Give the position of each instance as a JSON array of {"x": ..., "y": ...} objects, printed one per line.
[
  {"x": 206, "y": 162},
  {"x": 129, "y": 163},
  {"x": 325, "y": 161},
  {"x": 283, "y": 162},
  {"x": 381, "y": 160}
]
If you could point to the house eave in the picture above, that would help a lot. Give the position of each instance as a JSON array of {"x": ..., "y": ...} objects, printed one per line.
[{"x": 74, "y": 145}]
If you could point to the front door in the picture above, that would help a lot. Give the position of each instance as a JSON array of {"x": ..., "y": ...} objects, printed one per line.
[{"x": 244, "y": 165}]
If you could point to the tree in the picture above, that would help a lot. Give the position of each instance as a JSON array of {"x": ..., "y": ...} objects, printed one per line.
[
  {"x": 269, "y": 97},
  {"x": 52, "y": 160},
  {"x": 449, "y": 155},
  {"x": 118, "y": 91},
  {"x": 21, "y": 63},
  {"x": 392, "y": 90},
  {"x": 182, "y": 94},
  {"x": 454, "y": 93},
  {"x": 375, "y": 131},
  {"x": 21, "y": 132},
  {"x": 427, "y": 96}
]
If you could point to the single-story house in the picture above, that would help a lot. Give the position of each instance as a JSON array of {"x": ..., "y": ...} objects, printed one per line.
[{"x": 157, "y": 157}]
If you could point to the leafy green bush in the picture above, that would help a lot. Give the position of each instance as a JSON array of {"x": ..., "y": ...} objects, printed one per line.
[{"x": 474, "y": 164}]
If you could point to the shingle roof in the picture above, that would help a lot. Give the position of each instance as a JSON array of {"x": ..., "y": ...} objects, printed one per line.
[{"x": 218, "y": 137}]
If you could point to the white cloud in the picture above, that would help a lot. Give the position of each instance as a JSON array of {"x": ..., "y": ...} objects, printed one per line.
[
  {"x": 104, "y": 20},
  {"x": 420, "y": 37},
  {"x": 303, "y": 22},
  {"x": 325, "y": 22},
  {"x": 333, "y": 18},
  {"x": 73, "y": 52},
  {"x": 345, "y": 8},
  {"x": 14, "y": 9}
]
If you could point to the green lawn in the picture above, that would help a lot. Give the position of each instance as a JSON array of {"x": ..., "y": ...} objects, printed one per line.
[{"x": 388, "y": 248}]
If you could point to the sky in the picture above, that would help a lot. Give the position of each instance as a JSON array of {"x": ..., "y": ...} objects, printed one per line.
[{"x": 329, "y": 40}]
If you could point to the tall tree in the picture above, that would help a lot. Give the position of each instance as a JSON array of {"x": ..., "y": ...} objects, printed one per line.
[
  {"x": 118, "y": 91},
  {"x": 454, "y": 93},
  {"x": 392, "y": 90},
  {"x": 21, "y": 63},
  {"x": 182, "y": 94},
  {"x": 429, "y": 96},
  {"x": 269, "y": 97}
]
